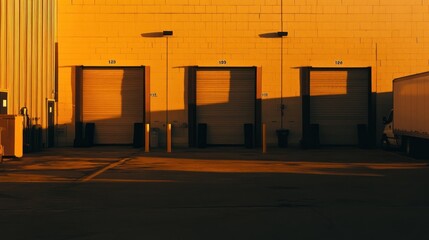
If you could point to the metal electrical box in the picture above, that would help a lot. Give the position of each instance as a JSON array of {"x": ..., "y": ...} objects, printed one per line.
[{"x": 11, "y": 135}]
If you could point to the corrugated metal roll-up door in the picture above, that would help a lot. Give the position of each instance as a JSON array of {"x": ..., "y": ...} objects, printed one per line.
[
  {"x": 338, "y": 103},
  {"x": 226, "y": 101},
  {"x": 113, "y": 100}
]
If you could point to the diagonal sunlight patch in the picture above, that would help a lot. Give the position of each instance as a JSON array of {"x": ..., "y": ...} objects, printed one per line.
[
  {"x": 132, "y": 180},
  {"x": 32, "y": 178},
  {"x": 240, "y": 166}
]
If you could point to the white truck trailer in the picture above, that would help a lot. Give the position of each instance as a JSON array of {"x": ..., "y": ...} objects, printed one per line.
[{"x": 408, "y": 124}]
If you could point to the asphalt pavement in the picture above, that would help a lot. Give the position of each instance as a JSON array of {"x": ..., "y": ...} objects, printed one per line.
[{"x": 214, "y": 193}]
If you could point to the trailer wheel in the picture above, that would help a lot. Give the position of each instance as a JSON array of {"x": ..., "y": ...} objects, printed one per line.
[
  {"x": 385, "y": 142},
  {"x": 410, "y": 147},
  {"x": 407, "y": 146}
]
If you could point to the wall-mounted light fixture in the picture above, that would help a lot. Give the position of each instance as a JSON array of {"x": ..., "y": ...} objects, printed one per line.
[
  {"x": 282, "y": 34},
  {"x": 167, "y": 33},
  {"x": 164, "y": 34}
]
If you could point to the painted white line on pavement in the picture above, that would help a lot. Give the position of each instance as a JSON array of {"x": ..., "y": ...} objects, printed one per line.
[{"x": 110, "y": 166}]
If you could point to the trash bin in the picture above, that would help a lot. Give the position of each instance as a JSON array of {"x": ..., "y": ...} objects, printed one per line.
[
  {"x": 154, "y": 138},
  {"x": 282, "y": 137}
]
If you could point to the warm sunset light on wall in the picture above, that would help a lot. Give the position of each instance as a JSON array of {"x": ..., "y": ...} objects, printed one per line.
[{"x": 339, "y": 88}]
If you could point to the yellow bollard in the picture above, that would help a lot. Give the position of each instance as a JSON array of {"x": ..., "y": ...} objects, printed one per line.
[
  {"x": 264, "y": 140},
  {"x": 146, "y": 138},
  {"x": 169, "y": 138}
]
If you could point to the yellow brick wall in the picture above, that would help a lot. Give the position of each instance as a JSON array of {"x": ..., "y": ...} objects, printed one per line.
[{"x": 390, "y": 36}]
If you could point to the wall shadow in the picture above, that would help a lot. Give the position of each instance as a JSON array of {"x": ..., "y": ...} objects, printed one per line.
[
  {"x": 342, "y": 113},
  {"x": 119, "y": 112},
  {"x": 384, "y": 105},
  {"x": 185, "y": 125},
  {"x": 231, "y": 106}
]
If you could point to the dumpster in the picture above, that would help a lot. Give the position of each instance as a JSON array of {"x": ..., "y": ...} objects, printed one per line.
[{"x": 282, "y": 137}]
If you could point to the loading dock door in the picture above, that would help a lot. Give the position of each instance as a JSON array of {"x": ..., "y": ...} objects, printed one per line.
[
  {"x": 113, "y": 99},
  {"x": 225, "y": 99},
  {"x": 338, "y": 103}
]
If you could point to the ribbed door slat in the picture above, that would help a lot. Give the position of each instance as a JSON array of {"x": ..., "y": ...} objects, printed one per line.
[
  {"x": 338, "y": 103},
  {"x": 226, "y": 101},
  {"x": 113, "y": 100}
]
